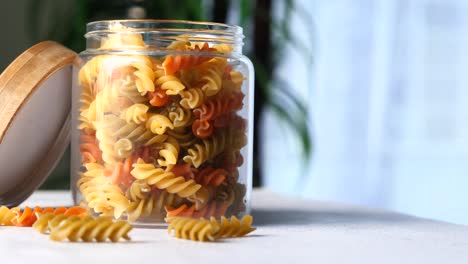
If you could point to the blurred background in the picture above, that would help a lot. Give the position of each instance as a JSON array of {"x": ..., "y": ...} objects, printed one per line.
[{"x": 358, "y": 101}]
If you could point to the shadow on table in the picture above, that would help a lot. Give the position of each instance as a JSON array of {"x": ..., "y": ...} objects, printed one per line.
[{"x": 284, "y": 217}]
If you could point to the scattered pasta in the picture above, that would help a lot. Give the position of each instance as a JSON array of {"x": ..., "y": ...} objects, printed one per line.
[
  {"x": 233, "y": 227},
  {"x": 87, "y": 229},
  {"x": 201, "y": 229},
  {"x": 7, "y": 215},
  {"x": 193, "y": 229}
]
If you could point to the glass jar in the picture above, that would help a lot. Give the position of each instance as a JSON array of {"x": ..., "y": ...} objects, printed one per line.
[{"x": 163, "y": 112}]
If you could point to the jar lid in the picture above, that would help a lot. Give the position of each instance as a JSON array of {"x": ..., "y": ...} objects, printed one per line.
[{"x": 35, "y": 102}]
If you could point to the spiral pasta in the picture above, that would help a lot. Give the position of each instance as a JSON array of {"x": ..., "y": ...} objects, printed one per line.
[
  {"x": 172, "y": 64},
  {"x": 202, "y": 129},
  {"x": 158, "y": 124},
  {"x": 86, "y": 98},
  {"x": 192, "y": 98},
  {"x": 89, "y": 149},
  {"x": 185, "y": 170},
  {"x": 184, "y": 137},
  {"x": 89, "y": 230},
  {"x": 7, "y": 215},
  {"x": 48, "y": 221},
  {"x": 233, "y": 227},
  {"x": 101, "y": 195},
  {"x": 214, "y": 208},
  {"x": 164, "y": 179},
  {"x": 123, "y": 148},
  {"x": 211, "y": 176},
  {"x": 193, "y": 229},
  {"x": 138, "y": 134},
  {"x": 233, "y": 82},
  {"x": 144, "y": 78},
  {"x": 212, "y": 75},
  {"x": 142, "y": 201},
  {"x": 209, "y": 148},
  {"x": 179, "y": 116},
  {"x": 106, "y": 144},
  {"x": 216, "y": 107},
  {"x": 93, "y": 194},
  {"x": 158, "y": 98},
  {"x": 170, "y": 84},
  {"x": 136, "y": 113},
  {"x": 88, "y": 73},
  {"x": 28, "y": 216},
  {"x": 120, "y": 173},
  {"x": 169, "y": 153},
  {"x": 127, "y": 88}
]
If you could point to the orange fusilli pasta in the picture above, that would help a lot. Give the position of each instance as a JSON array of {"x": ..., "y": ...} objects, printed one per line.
[{"x": 28, "y": 216}]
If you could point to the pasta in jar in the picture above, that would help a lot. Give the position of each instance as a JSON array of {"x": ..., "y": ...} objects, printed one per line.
[{"x": 163, "y": 123}]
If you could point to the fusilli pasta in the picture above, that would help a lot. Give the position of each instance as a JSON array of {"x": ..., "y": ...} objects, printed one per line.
[
  {"x": 212, "y": 73},
  {"x": 208, "y": 149},
  {"x": 193, "y": 229},
  {"x": 192, "y": 98},
  {"x": 144, "y": 77},
  {"x": 233, "y": 227},
  {"x": 142, "y": 200},
  {"x": 136, "y": 113},
  {"x": 89, "y": 229},
  {"x": 158, "y": 124},
  {"x": 170, "y": 84},
  {"x": 7, "y": 215},
  {"x": 172, "y": 64},
  {"x": 165, "y": 180}
]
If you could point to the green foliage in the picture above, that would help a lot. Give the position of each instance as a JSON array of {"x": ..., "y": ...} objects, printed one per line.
[{"x": 280, "y": 96}]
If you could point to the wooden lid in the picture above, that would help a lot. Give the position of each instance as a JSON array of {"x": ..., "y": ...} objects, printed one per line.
[{"x": 35, "y": 102}]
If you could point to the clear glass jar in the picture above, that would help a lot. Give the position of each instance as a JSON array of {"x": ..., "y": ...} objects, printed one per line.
[{"x": 163, "y": 112}]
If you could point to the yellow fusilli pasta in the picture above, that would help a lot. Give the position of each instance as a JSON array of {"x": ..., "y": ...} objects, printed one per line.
[
  {"x": 127, "y": 88},
  {"x": 165, "y": 198},
  {"x": 106, "y": 142},
  {"x": 88, "y": 73},
  {"x": 102, "y": 196},
  {"x": 158, "y": 124},
  {"x": 192, "y": 229},
  {"x": 138, "y": 134},
  {"x": 136, "y": 113},
  {"x": 192, "y": 98},
  {"x": 233, "y": 227},
  {"x": 164, "y": 180},
  {"x": 171, "y": 84},
  {"x": 6, "y": 215},
  {"x": 169, "y": 153},
  {"x": 144, "y": 77},
  {"x": 184, "y": 136},
  {"x": 212, "y": 75},
  {"x": 89, "y": 230},
  {"x": 180, "y": 117},
  {"x": 123, "y": 148},
  {"x": 48, "y": 221},
  {"x": 142, "y": 200},
  {"x": 208, "y": 149},
  {"x": 86, "y": 98}
]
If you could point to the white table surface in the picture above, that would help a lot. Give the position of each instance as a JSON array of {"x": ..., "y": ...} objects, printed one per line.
[{"x": 289, "y": 231}]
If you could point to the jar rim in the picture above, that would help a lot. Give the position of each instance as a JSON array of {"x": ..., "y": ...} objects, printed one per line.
[{"x": 227, "y": 31}]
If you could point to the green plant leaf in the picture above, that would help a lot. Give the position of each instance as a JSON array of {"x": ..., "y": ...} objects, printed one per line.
[{"x": 245, "y": 13}]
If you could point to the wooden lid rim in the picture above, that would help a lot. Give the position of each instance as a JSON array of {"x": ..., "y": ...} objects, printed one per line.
[{"x": 25, "y": 74}]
